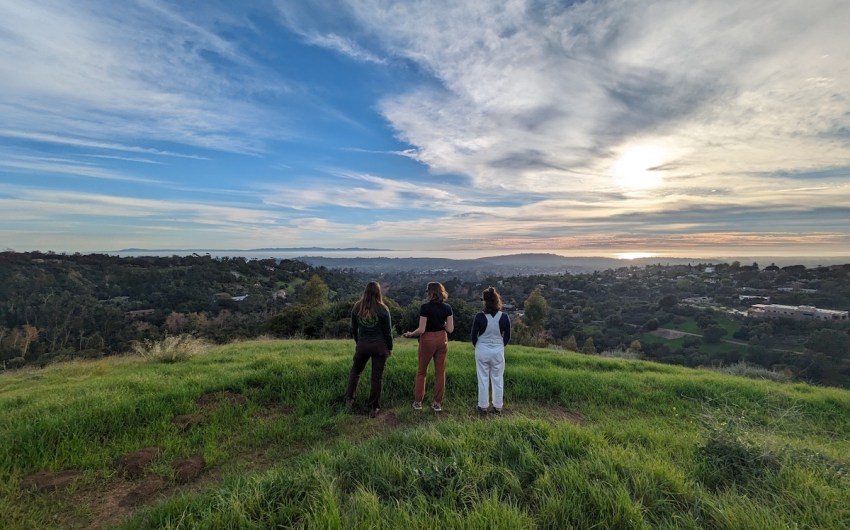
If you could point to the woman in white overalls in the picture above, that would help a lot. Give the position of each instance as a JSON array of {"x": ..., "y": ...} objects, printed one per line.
[{"x": 491, "y": 332}]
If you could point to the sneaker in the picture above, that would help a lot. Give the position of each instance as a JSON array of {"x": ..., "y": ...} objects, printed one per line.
[
  {"x": 482, "y": 412},
  {"x": 417, "y": 405},
  {"x": 374, "y": 412},
  {"x": 497, "y": 411},
  {"x": 437, "y": 407}
]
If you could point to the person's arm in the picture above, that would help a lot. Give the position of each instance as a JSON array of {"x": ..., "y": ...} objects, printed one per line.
[
  {"x": 450, "y": 323},
  {"x": 476, "y": 329},
  {"x": 388, "y": 333},
  {"x": 423, "y": 321},
  {"x": 354, "y": 326},
  {"x": 505, "y": 326}
]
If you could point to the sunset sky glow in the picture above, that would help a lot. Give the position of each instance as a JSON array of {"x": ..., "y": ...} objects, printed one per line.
[{"x": 609, "y": 127}]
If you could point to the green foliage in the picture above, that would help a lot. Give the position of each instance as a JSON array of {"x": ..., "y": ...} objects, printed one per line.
[
  {"x": 833, "y": 343},
  {"x": 713, "y": 333},
  {"x": 315, "y": 292},
  {"x": 536, "y": 311},
  {"x": 588, "y": 347}
]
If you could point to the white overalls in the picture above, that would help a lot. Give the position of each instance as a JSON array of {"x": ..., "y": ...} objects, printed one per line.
[{"x": 490, "y": 362}]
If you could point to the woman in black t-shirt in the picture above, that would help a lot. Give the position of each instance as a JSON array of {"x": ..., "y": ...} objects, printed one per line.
[{"x": 436, "y": 321}]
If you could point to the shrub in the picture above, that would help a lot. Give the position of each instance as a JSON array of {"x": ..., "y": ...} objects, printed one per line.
[
  {"x": 170, "y": 349},
  {"x": 728, "y": 455},
  {"x": 744, "y": 369}
]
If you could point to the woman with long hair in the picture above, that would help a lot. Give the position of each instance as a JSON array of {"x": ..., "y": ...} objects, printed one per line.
[
  {"x": 371, "y": 326},
  {"x": 436, "y": 321},
  {"x": 491, "y": 332}
]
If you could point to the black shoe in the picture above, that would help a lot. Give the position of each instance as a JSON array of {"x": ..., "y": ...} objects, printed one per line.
[
  {"x": 374, "y": 413},
  {"x": 482, "y": 412},
  {"x": 496, "y": 411}
]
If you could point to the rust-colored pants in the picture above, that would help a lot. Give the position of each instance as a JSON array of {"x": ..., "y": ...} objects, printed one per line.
[{"x": 432, "y": 345}]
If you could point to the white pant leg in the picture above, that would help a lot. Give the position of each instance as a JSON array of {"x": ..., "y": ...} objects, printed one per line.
[
  {"x": 497, "y": 378},
  {"x": 482, "y": 367}
]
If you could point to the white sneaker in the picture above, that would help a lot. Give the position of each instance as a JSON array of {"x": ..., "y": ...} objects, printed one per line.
[
  {"x": 417, "y": 405},
  {"x": 437, "y": 407}
]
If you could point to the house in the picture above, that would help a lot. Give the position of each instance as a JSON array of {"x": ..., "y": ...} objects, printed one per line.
[{"x": 800, "y": 312}]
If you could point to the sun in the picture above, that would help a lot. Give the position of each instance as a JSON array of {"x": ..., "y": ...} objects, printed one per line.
[
  {"x": 637, "y": 167},
  {"x": 634, "y": 255}
]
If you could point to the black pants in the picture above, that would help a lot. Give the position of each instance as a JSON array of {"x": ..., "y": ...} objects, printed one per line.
[{"x": 377, "y": 351}]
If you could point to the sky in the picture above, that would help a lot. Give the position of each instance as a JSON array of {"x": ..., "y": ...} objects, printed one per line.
[{"x": 609, "y": 127}]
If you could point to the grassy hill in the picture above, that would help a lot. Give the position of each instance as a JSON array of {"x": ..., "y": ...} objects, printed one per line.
[{"x": 254, "y": 435}]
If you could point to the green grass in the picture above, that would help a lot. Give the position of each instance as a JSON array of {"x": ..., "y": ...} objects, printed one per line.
[{"x": 587, "y": 442}]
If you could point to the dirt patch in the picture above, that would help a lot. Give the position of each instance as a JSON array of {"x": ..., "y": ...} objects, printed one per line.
[
  {"x": 184, "y": 422},
  {"x": 273, "y": 410},
  {"x": 132, "y": 465},
  {"x": 669, "y": 334},
  {"x": 49, "y": 480},
  {"x": 562, "y": 414},
  {"x": 389, "y": 419},
  {"x": 143, "y": 492},
  {"x": 188, "y": 469},
  {"x": 225, "y": 397}
]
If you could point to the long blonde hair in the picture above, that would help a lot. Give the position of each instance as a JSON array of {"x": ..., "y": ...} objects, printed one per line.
[{"x": 367, "y": 307}]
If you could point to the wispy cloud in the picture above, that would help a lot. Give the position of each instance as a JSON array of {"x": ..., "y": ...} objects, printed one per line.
[
  {"x": 125, "y": 71},
  {"x": 542, "y": 92}
]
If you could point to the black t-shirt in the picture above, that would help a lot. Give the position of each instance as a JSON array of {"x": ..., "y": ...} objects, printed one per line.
[{"x": 436, "y": 313}]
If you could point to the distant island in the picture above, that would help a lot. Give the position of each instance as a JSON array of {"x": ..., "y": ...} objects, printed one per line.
[{"x": 265, "y": 249}]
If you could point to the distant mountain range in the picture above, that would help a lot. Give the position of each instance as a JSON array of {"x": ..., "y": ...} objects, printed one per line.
[
  {"x": 505, "y": 265},
  {"x": 497, "y": 265},
  {"x": 265, "y": 249}
]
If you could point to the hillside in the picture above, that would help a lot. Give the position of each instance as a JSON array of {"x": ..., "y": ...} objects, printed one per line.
[{"x": 253, "y": 435}]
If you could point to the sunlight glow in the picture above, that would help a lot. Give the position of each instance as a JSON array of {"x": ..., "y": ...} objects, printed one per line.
[
  {"x": 634, "y": 255},
  {"x": 636, "y": 167}
]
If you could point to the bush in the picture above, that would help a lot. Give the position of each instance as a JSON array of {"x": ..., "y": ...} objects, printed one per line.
[
  {"x": 744, "y": 369},
  {"x": 728, "y": 457},
  {"x": 170, "y": 349}
]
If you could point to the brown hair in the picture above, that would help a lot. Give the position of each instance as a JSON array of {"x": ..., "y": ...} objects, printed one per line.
[
  {"x": 492, "y": 300},
  {"x": 367, "y": 306},
  {"x": 436, "y": 292}
]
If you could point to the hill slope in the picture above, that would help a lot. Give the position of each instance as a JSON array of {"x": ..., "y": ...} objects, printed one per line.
[{"x": 253, "y": 435}]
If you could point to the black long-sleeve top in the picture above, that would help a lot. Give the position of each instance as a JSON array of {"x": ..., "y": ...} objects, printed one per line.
[{"x": 479, "y": 326}]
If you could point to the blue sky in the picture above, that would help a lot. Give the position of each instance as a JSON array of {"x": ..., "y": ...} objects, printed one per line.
[{"x": 676, "y": 128}]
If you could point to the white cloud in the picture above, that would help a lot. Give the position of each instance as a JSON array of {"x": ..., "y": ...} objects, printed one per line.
[
  {"x": 126, "y": 71},
  {"x": 541, "y": 96}
]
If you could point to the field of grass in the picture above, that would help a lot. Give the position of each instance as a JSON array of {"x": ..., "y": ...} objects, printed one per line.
[{"x": 585, "y": 442}]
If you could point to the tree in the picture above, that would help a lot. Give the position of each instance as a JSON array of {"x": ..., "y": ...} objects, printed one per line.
[
  {"x": 315, "y": 293},
  {"x": 28, "y": 335},
  {"x": 833, "y": 343},
  {"x": 713, "y": 334},
  {"x": 588, "y": 347},
  {"x": 668, "y": 301},
  {"x": 571, "y": 344},
  {"x": 536, "y": 310},
  {"x": 635, "y": 346}
]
